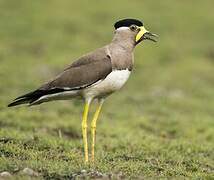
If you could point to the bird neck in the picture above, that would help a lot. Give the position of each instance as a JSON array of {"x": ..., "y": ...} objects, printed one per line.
[{"x": 123, "y": 41}]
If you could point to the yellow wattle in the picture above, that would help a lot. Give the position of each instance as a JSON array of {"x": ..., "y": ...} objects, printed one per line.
[{"x": 141, "y": 33}]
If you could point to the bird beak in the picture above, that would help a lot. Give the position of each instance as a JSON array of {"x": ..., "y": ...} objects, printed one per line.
[{"x": 143, "y": 34}]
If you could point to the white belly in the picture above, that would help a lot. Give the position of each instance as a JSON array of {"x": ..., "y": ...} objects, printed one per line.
[{"x": 113, "y": 82}]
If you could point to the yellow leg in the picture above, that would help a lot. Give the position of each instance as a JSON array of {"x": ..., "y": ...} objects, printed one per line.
[
  {"x": 93, "y": 127},
  {"x": 84, "y": 129}
]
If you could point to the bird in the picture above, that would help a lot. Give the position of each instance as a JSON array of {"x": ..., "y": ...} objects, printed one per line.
[{"x": 94, "y": 76}]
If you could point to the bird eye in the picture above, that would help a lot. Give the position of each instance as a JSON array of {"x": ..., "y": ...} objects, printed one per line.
[{"x": 133, "y": 27}]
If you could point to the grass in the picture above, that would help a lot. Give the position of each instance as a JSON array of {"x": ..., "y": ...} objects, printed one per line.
[{"x": 159, "y": 126}]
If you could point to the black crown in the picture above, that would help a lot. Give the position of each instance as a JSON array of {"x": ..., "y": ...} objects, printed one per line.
[{"x": 127, "y": 23}]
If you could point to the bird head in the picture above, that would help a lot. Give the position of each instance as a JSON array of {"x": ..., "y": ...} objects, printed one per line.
[{"x": 135, "y": 30}]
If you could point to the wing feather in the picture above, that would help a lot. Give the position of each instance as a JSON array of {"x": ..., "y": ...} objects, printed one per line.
[
  {"x": 84, "y": 72},
  {"x": 81, "y": 74}
]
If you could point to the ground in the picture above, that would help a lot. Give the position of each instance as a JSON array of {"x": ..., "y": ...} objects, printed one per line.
[{"x": 160, "y": 125}]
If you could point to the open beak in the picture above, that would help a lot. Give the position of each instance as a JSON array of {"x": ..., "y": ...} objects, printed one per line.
[{"x": 143, "y": 34}]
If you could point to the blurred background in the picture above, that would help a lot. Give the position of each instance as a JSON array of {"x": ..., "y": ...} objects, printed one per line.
[{"x": 160, "y": 124}]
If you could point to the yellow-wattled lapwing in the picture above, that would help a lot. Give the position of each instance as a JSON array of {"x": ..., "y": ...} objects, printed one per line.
[{"x": 95, "y": 75}]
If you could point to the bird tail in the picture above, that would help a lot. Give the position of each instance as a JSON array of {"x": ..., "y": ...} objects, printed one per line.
[
  {"x": 32, "y": 97},
  {"x": 26, "y": 98}
]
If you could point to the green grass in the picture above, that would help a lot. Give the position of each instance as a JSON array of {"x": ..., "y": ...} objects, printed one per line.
[{"x": 159, "y": 126}]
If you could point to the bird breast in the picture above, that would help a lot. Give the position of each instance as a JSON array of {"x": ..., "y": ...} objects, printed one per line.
[{"x": 113, "y": 82}]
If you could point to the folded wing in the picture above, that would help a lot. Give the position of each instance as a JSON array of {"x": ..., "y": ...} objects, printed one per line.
[{"x": 82, "y": 73}]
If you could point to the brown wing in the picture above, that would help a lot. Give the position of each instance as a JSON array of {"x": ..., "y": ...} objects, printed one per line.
[{"x": 82, "y": 73}]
